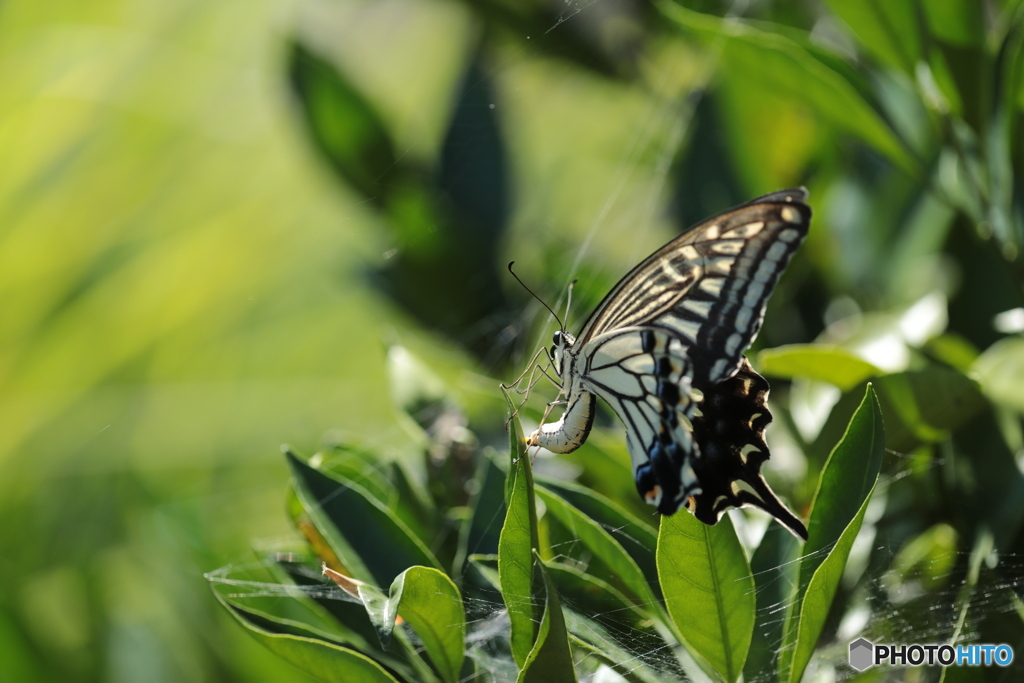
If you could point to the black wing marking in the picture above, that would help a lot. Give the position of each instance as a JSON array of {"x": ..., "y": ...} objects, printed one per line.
[
  {"x": 710, "y": 285},
  {"x": 645, "y": 375},
  {"x": 728, "y": 427}
]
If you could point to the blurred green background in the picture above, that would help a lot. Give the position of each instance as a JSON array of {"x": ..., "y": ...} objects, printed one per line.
[{"x": 215, "y": 217}]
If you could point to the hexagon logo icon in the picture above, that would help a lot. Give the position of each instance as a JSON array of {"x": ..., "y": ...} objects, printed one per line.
[{"x": 862, "y": 654}]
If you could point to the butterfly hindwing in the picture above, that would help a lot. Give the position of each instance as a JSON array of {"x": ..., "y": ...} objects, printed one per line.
[{"x": 729, "y": 422}]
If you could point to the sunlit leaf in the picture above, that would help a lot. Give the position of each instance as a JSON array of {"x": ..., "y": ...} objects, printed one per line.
[
  {"x": 831, "y": 364},
  {"x": 708, "y": 588},
  {"x": 889, "y": 31},
  {"x": 515, "y": 549},
  {"x": 1000, "y": 371},
  {"x": 431, "y": 604},
  {"x": 837, "y": 512}
]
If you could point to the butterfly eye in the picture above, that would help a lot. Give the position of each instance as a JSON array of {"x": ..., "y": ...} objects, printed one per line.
[{"x": 558, "y": 339}]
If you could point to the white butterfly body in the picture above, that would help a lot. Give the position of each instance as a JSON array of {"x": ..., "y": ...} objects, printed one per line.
[{"x": 664, "y": 350}]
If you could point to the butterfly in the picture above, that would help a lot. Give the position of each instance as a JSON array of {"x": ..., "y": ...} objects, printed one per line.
[{"x": 664, "y": 350}]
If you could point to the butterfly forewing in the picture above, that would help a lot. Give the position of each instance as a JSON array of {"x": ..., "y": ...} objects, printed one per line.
[{"x": 710, "y": 285}]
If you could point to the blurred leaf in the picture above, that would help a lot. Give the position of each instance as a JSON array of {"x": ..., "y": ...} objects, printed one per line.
[
  {"x": 368, "y": 538},
  {"x": 927, "y": 405},
  {"x": 922, "y": 406},
  {"x": 345, "y": 128},
  {"x": 416, "y": 390},
  {"x": 431, "y": 604},
  {"x": 1000, "y": 371},
  {"x": 594, "y": 539},
  {"x": 953, "y": 350},
  {"x": 889, "y": 31},
  {"x": 791, "y": 70},
  {"x": 709, "y": 591},
  {"x": 515, "y": 549},
  {"x": 831, "y": 364},
  {"x": 480, "y": 533},
  {"x": 325, "y": 660},
  {"x": 929, "y": 558},
  {"x": 550, "y": 659},
  {"x": 844, "y": 491},
  {"x": 957, "y": 22}
]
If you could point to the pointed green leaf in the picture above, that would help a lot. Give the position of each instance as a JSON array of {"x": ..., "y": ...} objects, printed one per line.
[
  {"x": 550, "y": 659},
  {"x": 636, "y": 536},
  {"x": 371, "y": 542},
  {"x": 515, "y": 549},
  {"x": 623, "y": 570},
  {"x": 708, "y": 590},
  {"x": 323, "y": 659},
  {"x": 817, "y": 598},
  {"x": 837, "y": 512}
]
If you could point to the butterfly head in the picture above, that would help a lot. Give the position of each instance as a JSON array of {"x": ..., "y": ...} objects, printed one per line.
[{"x": 561, "y": 342}]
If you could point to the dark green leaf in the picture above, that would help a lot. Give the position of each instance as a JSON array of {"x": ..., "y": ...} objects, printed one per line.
[
  {"x": 550, "y": 659},
  {"x": 708, "y": 590},
  {"x": 371, "y": 542},
  {"x": 775, "y": 582},
  {"x": 591, "y": 536}
]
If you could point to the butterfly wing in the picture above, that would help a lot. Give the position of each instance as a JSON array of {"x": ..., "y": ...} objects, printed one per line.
[
  {"x": 680, "y": 321},
  {"x": 710, "y": 285}
]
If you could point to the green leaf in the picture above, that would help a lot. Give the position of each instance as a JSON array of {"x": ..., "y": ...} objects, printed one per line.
[
  {"x": 888, "y": 31},
  {"x": 325, "y": 660},
  {"x": 924, "y": 406},
  {"x": 550, "y": 659},
  {"x": 708, "y": 588},
  {"x": 837, "y": 512},
  {"x": 817, "y": 598},
  {"x": 1000, "y": 371},
  {"x": 775, "y": 582},
  {"x": 369, "y": 539},
  {"x": 821, "y": 362},
  {"x": 622, "y": 569},
  {"x": 515, "y": 549},
  {"x": 919, "y": 407},
  {"x": 345, "y": 127},
  {"x": 431, "y": 604},
  {"x": 792, "y": 70},
  {"x": 636, "y": 536},
  {"x": 598, "y": 642}
]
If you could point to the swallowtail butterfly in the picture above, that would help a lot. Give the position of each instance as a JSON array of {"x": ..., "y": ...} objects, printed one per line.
[{"x": 665, "y": 351}]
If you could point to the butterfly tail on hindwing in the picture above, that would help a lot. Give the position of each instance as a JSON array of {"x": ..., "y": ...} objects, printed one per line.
[{"x": 728, "y": 426}]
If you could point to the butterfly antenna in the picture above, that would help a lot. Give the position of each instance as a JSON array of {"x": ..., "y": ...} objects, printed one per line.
[
  {"x": 568, "y": 299},
  {"x": 561, "y": 326}
]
